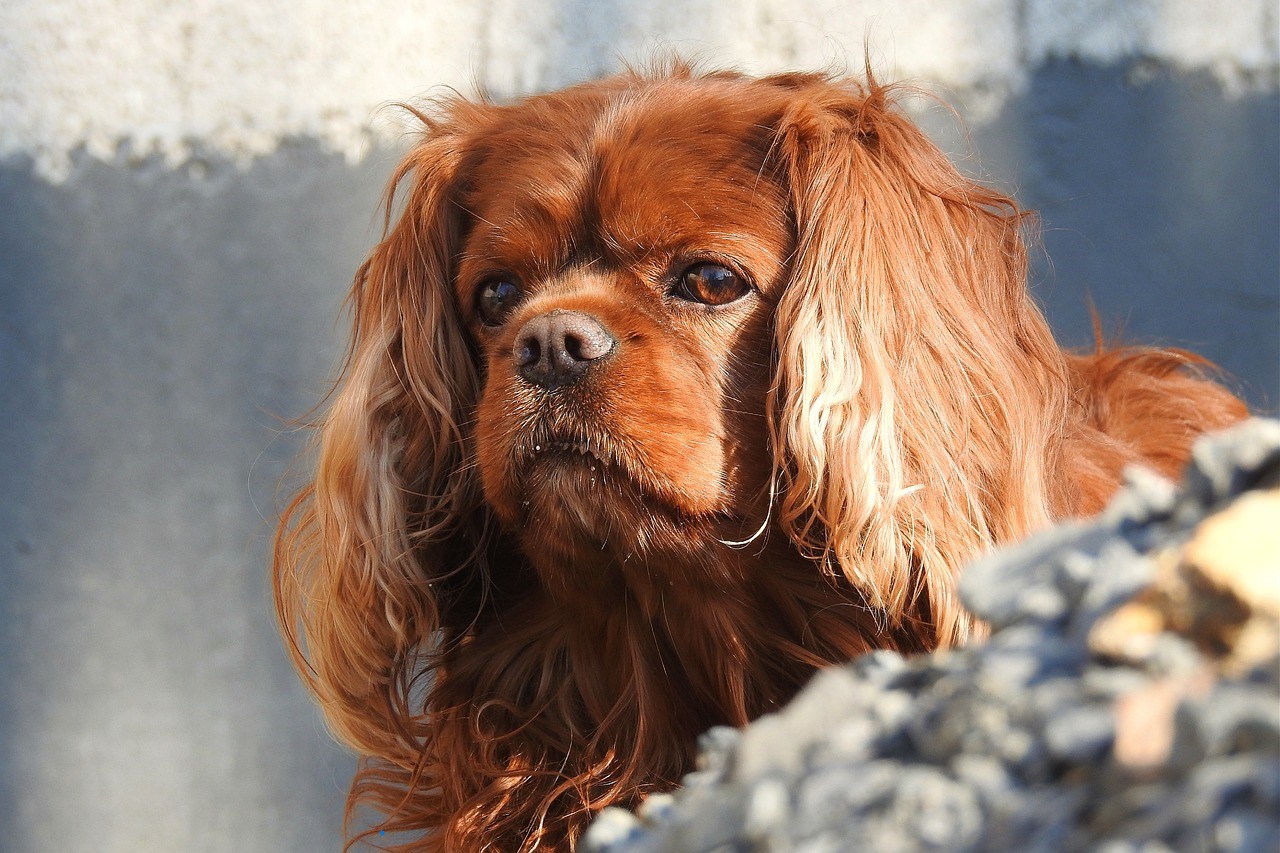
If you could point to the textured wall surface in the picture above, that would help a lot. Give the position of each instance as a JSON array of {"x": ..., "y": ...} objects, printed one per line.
[
  {"x": 185, "y": 190},
  {"x": 236, "y": 78}
]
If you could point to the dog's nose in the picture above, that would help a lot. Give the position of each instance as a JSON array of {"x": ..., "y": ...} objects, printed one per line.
[{"x": 556, "y": 348}]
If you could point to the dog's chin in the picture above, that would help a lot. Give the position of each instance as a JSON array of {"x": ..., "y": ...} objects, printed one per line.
[
  {"x": 571, "y": 493},
  {"x": 580, "y": 512}
]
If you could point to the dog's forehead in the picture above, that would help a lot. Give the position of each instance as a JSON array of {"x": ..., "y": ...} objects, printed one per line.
[
  {"x": 682, "y": 166},
  {"x": 636, "y": 171}
]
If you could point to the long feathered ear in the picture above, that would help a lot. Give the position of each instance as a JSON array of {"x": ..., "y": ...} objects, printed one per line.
[
  {"x": 918, "y": 389},
  {"x": 369, "y": 553}
]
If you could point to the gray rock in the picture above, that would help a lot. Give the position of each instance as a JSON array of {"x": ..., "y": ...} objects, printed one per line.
[
  {"x": 715, "y": 747},
  {"x": 994, "y": 586},
  {"x": 768, "y": 809},
  {"x": 1116, "y": 574},
  {"x": 613, "y": 829},
  {"x": 844, "y": 791},
  {"x": 1244, "y": 457},
  {"x": 942, "y": 813},
  {"x": 1234, "y": 719},
  {"x": 1243, "y": 829},
  {"x": 807, "y": 719},
  {"x": 1081, "y": 734},
  {"x": 1146, "y": 500}
]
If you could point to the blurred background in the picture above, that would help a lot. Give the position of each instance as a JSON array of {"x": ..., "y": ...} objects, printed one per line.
[{"x": 186, "y": 189}]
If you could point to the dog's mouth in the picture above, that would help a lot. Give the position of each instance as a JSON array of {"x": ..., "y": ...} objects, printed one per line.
[
  {"x": 571, "y": 484},
  {"x": 595, "y": 452},
  {"x": 580, "y": 446}
]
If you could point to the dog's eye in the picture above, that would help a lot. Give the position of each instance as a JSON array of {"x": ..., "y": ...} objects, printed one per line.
[
  {"x": 710, "y": 284},
  {"x": 495, "y": 299}
]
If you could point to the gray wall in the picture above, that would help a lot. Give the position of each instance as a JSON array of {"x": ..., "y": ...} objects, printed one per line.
[{"x": 158, "y": 325}]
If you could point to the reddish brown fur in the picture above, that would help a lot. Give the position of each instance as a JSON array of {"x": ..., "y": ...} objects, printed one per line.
[{"x": 515, "y": 638}]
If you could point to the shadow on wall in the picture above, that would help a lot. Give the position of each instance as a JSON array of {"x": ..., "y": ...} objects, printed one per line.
[
  {"x": 1161, "y": 204},
  {"x": 157, "y": 326}
]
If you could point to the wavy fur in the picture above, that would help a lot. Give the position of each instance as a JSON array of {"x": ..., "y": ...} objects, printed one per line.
[{"x": 782, "y": 483}]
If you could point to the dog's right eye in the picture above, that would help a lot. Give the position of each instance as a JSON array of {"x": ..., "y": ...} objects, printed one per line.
[{"x": 495, "y": 299}]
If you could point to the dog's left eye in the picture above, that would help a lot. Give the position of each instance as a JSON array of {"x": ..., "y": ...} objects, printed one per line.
[
  {"x": 710, "y": 284},
  {"x": 495, "y": 299}
]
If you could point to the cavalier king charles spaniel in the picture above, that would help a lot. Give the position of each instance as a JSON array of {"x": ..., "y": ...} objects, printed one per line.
[{"x": 663, "y": 392}]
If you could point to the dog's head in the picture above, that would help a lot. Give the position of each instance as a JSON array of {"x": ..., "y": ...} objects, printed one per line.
[
  {"x": 618, "y": 275},
  {"x": 616, "y": 332}
]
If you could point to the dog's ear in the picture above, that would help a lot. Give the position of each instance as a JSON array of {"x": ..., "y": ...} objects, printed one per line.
[
  {"x": 392, "y": 520},
  {"x": 914, "y": 400}
]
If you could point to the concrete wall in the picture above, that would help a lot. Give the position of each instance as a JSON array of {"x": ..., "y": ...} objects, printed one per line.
[{"x": 185, "y": 190}]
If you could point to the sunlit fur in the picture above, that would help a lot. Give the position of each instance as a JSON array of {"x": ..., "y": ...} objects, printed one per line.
[{"x": 514, "y": 639}]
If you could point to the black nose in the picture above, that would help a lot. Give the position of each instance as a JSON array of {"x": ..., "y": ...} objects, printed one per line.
[{"x": 556, "y": 348}]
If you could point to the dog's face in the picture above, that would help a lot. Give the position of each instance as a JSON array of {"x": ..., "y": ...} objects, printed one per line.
[
  {"x": 634, "y": 322},
  {"x": 618, "y": 277}
]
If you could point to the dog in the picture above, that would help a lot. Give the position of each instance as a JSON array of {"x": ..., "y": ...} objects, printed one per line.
[{"x": 664, "y": 391}]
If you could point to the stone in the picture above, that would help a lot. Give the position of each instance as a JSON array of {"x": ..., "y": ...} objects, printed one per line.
[
  {"x": 842, "y": 791},
  {"x": 612, "y": 829},
  {"x": 1146, "y": 500},
  {"x": 805, "y": 719},
  {"x": 1237, "y": 551},
  {"x": 1221, "y": 590},
  {"x": 942, "y": 814},
  {"x": 1079, "y": 734},
  {"x": 1144, "y": 721},
  {"x": 657, "y": 808},
  {"x": 768, "y": 807},
  {"x": 1117, "y": 573},
  {"x": 881, "y": 667},
  {"x": 1241, "y": 829},
  {"x": 1246, "y": 456},
  {"x": 715, "y": 747},
  {"x": 1233, "y": 719},
  {"x": 991, "y": 586}
]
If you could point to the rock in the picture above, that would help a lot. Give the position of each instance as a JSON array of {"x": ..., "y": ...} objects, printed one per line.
[
  {"x": 1221, "y": 590},
  {"x": 1144, "y": 720},
  {"x": 768, "y": 807},
  {"x": 1243, "y": 458},
  {"x": 1237, "y": 551},
  {"x": 612, "y": 828},
  {"x": 1080, "y": 734},
  {"x": 807, "y": 718},
  {"x": 995, "y": 587}
]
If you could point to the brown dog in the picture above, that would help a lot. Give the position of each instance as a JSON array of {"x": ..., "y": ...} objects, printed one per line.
[{"x": 663, "y": 392}]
